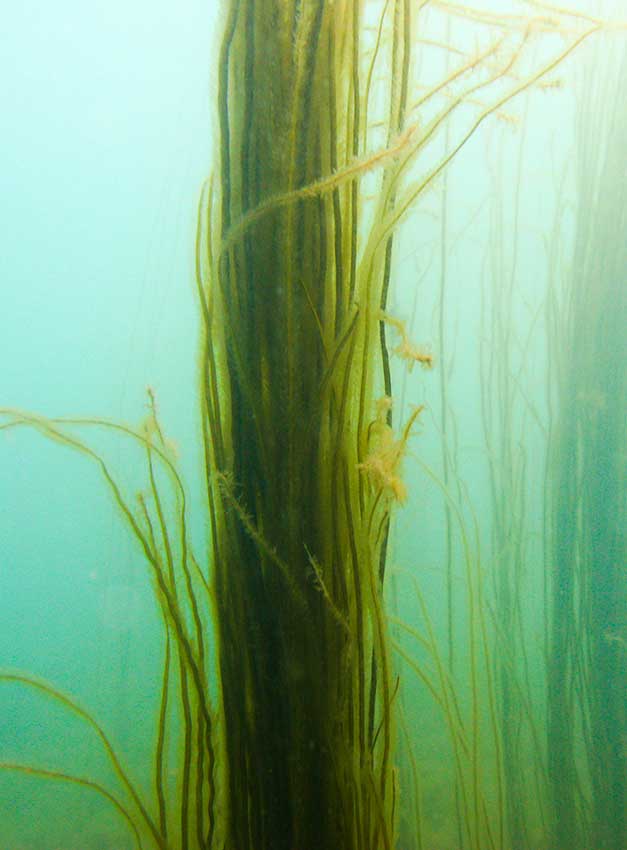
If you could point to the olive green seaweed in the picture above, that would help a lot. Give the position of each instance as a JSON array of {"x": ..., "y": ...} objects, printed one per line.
[
  {"x": 75, "y": 780},
  {"x": 325, "y": 142}
]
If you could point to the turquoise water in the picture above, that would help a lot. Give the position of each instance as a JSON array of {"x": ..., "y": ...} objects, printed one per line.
[{"x": 104, "y": 147}]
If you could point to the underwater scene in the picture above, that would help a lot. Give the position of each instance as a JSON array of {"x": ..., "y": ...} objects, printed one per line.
[{"x": 313, "y": 425}]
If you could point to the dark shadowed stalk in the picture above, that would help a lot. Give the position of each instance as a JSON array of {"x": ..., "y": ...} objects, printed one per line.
[{"x": 294, "y": 263}]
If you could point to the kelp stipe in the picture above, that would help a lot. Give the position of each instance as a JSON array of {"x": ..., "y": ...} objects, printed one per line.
[
  {"x": 294, "y": 269},
  {"x": 298, "y": 528}
]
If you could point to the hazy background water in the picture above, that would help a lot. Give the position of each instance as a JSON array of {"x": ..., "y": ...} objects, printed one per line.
[{"x": 105, "y": 131}]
